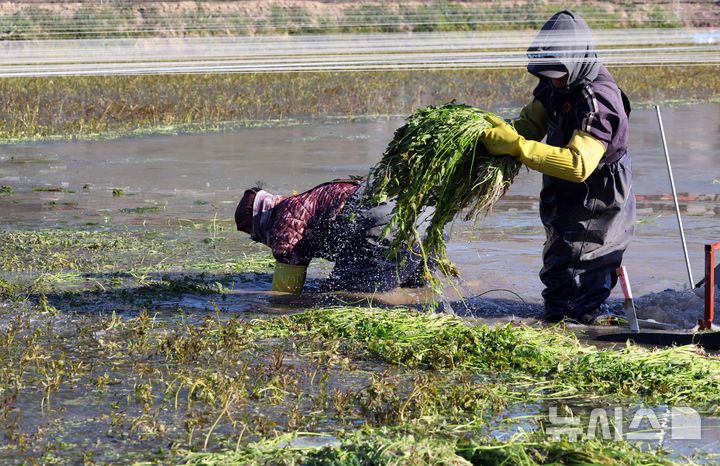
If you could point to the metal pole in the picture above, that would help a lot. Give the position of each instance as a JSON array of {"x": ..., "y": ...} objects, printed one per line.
[{"x": 674, "y": 195}]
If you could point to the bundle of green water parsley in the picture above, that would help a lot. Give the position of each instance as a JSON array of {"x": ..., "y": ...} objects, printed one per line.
[{"x": 436, "y": 160}]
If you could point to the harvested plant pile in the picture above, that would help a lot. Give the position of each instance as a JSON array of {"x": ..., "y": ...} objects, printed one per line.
[
  {"x": 390, "y": 447},
  {"x": 546, "y": 363},
  {"x": 436, "y": 160}
]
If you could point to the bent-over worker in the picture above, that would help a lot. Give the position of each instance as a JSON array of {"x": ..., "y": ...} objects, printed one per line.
[{"x": 333, "y": 222}]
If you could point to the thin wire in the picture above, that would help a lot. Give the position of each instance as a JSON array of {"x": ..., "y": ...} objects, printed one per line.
[
  {"x": 498, "y": 289},
  {"x": 467, "y": 308},
  {"x": 337, "y": 53}
]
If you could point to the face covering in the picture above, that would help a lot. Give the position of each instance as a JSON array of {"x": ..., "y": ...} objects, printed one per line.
[{"x": 565, "y": 42}]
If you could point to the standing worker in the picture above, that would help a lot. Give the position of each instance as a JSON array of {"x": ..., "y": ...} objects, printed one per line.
[{"x": 586, "y": 204}]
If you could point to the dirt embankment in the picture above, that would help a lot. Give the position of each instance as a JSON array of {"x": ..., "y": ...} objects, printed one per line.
[{"x": 42, "y": 19}]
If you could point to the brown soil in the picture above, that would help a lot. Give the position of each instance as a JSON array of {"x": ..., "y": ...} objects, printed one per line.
[{"x": 698, "y": 13}]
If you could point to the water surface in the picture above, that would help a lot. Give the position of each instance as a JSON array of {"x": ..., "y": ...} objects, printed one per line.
[
  {"x": 185, "y": 188},
  {"x": 201, "y": 176}
]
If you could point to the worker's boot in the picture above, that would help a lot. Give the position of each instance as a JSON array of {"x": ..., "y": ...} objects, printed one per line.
[{"x": 603, "y": 315}]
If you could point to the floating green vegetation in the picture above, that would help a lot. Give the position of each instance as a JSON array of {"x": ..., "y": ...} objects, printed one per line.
[
  {"x": 60, "y": 205},
  {"x": 213, "y": 381},
  {"x": 142, "y": 210},
  {"x": 138, "y": 252},
  {"x": 248, "y": 263},
  {"x": 388, "y": 447},
  {"x": 5, "y": 190},
  {"x": 51, "y": 189},
  {"x": 117, "y": 192},
  {"x": 8, "y": 291},
  {"x": 435, "y": 160},
  {"x": 139, "y": 345},
  {"x": 113, "y": 106},
  {"x": 98, "y": 271},
  {"x": 59, "y": 250},
  {"x": 553, "y": 360}
]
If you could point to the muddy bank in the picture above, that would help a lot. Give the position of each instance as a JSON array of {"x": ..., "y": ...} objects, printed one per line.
[{"x": 30, "y": 19}]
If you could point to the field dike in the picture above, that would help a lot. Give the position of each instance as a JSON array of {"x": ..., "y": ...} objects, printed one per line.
[{"x": 23, "y": 20}]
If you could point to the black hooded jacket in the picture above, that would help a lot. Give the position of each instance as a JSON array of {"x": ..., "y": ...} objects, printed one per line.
[
  {"x": 565, "y": 39},
  {"x": 588, "y": 224},
  {"x": 591, "y": 101}
]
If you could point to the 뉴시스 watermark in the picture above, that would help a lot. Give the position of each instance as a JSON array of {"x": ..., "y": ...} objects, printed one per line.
[{"x": 617, "y": 423}]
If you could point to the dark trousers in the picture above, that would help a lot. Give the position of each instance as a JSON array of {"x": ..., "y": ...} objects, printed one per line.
[
  {"x": 588, "y": 227},
  {"x": 355, "y": 243}
]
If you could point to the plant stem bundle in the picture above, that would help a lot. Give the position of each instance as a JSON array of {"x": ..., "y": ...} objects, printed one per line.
[{"x": 436, "y": 160}]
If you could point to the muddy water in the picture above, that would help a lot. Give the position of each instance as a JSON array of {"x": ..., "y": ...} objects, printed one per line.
[
  {"x": 199, "y": 178},
  {"x": 188, "y": 185}
]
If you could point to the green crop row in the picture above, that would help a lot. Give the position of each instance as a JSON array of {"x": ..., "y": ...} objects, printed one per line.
[{"x": 110, "y": 106}]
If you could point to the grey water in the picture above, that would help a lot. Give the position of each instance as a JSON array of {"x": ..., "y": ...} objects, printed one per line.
[
  {"x": 196, "y": 178},
  {"x": 501, "y": 251}
]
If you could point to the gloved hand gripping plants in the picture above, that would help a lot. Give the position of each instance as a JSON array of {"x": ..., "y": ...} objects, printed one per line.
[
  {"x": 574, "y": 162},
  {"x": 437, "y": 159}
]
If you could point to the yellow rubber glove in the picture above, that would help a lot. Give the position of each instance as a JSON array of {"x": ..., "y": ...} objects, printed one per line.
[
  {"x": 501, "y": 139},
  {"x": 289, "y": 278},
  {"x": 532, "y": 122},
  {"x": 574, "y": 162}
]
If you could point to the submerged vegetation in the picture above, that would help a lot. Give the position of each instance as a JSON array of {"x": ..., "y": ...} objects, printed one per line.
[
  {"x": 111, "y": 106},
  {"x": 340, "y": 383},
  {"x": 122, "y": 346},
  {"x": 559, "y": 363},
  {"x": 435, "y": 160},
  {"x": 97, "y": 350},
  {"x": 152, "y": 337}
]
